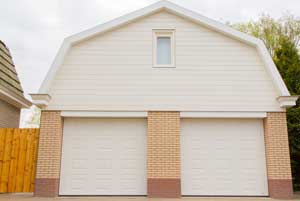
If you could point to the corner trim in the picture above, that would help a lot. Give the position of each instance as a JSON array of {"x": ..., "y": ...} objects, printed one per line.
[
  {"x": 287, "y": 101},
  {"x": 223, "y": 114},
  {"x": 40, "y": 100}
]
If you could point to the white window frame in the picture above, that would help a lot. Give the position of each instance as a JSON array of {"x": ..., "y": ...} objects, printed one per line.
[{"x": 164, "y": 33}]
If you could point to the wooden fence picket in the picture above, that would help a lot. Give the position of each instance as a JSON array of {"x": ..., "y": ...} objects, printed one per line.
[
  {"x": 14, "y": 161},
  {"x": 18, "y": 157},
  {"x": 2, "y": 146},
  {"x": 34, "y": 160},
  {"x": 6, "y": 160}
]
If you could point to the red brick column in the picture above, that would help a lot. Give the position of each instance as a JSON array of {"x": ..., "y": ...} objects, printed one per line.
[
  {"x": 163, "y": 154},
  {"x": 49, "y": 154},
  {"x": 278, "y": 156}
]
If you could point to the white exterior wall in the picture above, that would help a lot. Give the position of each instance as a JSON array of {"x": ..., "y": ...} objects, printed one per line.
[{"x": 114, "y": 72}]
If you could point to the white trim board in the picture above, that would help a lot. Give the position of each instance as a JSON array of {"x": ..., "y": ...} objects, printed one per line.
[
  {"x": 287, "y": 101},
  {"x": 223, "y": 114},
  {"x": 18, "y": 102},
  {"x": 143, "y": 114},
  {"x": 103, "y": 114},
  {"x": 177, "y": 10}
]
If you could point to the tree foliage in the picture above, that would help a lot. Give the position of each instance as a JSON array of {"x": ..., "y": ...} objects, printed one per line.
[
  {"x": 281, "y": 37},
  {"x": 293, "y": 117},
  {"x": 287, "y": 60},
  {"x": 264, "y": 29},
  {"x": 270, "y": 30}
]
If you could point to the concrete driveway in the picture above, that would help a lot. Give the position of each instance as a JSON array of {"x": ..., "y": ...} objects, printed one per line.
[{"x": 29, "y": 197}]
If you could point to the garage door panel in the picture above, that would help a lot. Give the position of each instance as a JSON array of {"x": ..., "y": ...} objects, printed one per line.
[
  {"x": 223, "y": 157},
  {"x": 103, "y": 157}
]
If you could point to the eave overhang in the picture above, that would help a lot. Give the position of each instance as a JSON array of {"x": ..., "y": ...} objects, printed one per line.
[
  {"x": 40, "y": 100},
  {"x": 287, "y": 101},
  {"x": 14, "y": 99}
]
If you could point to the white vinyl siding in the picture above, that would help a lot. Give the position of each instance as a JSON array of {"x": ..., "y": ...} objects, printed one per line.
[{"x": 114, "y": 71}]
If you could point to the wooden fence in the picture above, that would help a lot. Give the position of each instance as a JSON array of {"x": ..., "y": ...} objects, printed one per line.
[{"x": 18, "y": 155}]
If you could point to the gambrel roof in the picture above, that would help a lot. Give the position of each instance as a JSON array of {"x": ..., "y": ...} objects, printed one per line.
[{"x": 179, "y": 11}]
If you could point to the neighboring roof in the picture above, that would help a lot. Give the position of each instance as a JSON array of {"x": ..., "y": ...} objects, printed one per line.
[
  {"x": 177, "y": 10},
  {"x": 10, "y": 86}
]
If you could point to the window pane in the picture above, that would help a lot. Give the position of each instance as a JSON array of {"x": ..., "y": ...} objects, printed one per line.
[{"x": 163, "y": 51}]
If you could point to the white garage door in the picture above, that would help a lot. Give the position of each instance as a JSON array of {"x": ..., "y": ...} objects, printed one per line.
[
  {"x": 223, "y": 157},
  {"x": 103, "y": 157}
]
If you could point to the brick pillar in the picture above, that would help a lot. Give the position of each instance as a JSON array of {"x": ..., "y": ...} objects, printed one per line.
[
  {"x": 163, "y": 154},
  {"x": 49, "y": 154},
  {"x": 278, "y": 156}
]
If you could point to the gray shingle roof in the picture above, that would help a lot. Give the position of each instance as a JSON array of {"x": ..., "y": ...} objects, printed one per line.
[{"x": 8, "y": 75}]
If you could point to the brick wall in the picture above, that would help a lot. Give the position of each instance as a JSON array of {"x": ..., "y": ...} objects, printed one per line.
[
  {"x": 278, "y": 156},
  {"x": 10, "y": 115},
  {"x": 163, "y": 154},
  {"x": 49, "y": 154}
]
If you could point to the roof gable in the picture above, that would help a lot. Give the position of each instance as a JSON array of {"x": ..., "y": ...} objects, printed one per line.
[
  {"x": 9, "y": 77},
  {"x": 177, "y": 10},
  {"x": 10, "y": 86}
]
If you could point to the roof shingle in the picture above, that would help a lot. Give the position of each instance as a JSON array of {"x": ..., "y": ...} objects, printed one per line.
[{"x": 8, "y": 74}]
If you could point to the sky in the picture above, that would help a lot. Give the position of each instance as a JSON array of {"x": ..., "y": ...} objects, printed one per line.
[{"x": 34, "y": 29}]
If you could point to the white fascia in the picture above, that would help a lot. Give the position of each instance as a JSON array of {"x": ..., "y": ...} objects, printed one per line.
[
  {"x": 40, "y": 100},
  {"x": 19, "y": 102},
  {"x": 287, "y": 101}
]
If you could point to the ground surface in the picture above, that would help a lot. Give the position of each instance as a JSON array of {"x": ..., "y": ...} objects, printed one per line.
[{"x": 29, "y": 197}]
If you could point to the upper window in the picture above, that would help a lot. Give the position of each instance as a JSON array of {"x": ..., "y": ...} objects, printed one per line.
[{"x": 163, "y": 51}]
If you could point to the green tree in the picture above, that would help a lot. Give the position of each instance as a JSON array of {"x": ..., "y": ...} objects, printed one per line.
[
  {"x": 266, "y": 28},
  {"x": 290, "y": 27},
  {"x": 287, "y": 60},
  {"x": 281, "y": 37},
  {"x": 270, "y": 30},
  {"x": 293, "y": 116}
]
